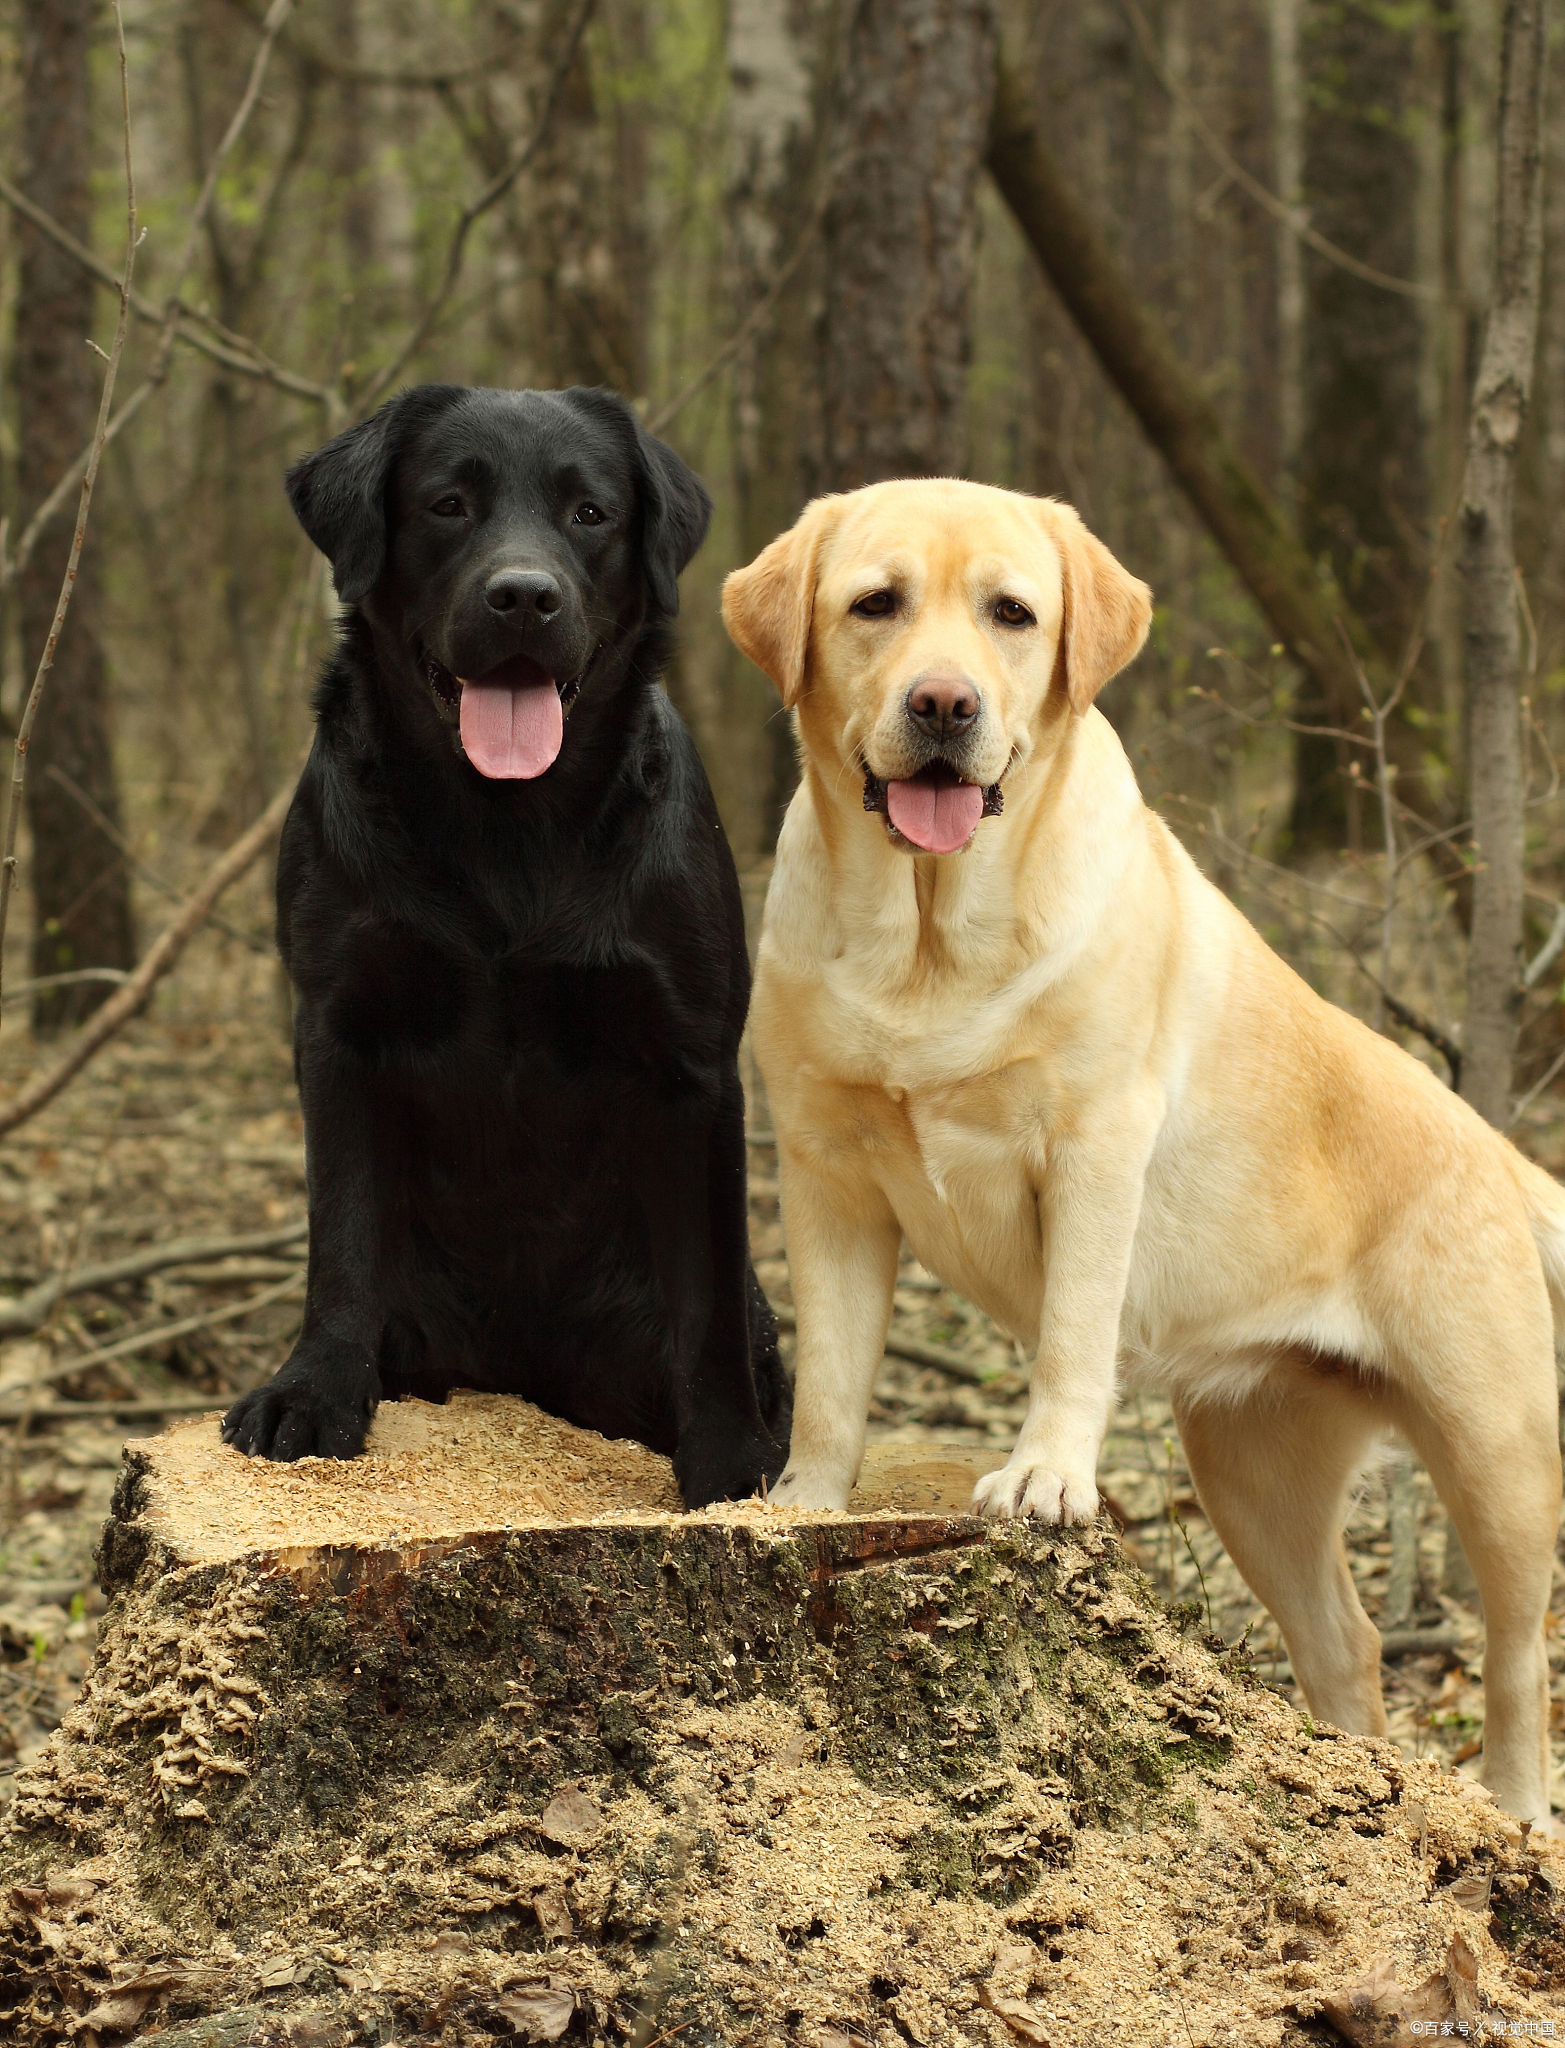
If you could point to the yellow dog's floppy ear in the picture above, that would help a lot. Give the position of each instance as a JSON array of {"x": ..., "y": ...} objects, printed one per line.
[
  {"x": 1107, "y": 610},
  {"x": 768, "y": 607}
]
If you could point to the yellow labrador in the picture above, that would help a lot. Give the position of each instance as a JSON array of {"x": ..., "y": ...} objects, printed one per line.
[{"x": 999, "y": 1009}]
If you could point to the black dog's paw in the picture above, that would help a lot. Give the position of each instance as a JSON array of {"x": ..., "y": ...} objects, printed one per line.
[
  {"x": 727, "y": 1464},
  {"x": 294, "y": 1416}
]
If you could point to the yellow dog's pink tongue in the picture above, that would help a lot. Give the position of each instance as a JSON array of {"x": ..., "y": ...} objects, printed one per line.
[
  {"x": 938, "y": 816},
  {"x": 511, "y": 734}
]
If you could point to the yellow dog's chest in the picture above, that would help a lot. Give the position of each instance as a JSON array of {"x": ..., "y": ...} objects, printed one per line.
[{"x": 958, "y": 1157}]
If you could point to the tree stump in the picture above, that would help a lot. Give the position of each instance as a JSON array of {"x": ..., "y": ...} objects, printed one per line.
[{"x": 479, "y": 1737}]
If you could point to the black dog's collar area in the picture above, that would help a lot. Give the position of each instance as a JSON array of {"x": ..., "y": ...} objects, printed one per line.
[
  {"x": 875, "y": 792},
  {"x": 447, "y": 690}
]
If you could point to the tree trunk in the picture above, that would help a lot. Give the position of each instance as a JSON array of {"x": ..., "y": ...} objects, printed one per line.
[
  {"x": 1501, "y": 394},
  {"x": 593, "y": 325},
  {"x": 778, "y": 64},
  {"x": 354, "y": 1763},
  {"x": 81, "y": 890},
  {"x": 910, "y": 116}
]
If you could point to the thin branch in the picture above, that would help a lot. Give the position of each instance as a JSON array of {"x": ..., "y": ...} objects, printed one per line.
[
  {"x": 1548, "y": 952},
  {"x": 143, "y": 1340},
  {"x": 30, "y": 1311},
  {"x": 196, "y": 329},
  {"x": 494, "y": 191},
  {"x": 137, "y": 992},
  {"x": 78, "y": 976},
  {"x": 132, "y": 1406},
  {"x": 757, "y": 314},
  {"x": 29, "y": 716},
  {"x": 1526, "y": 1101},
  {"x": 150, "y": 876},
  {"x": 1293, "y": 218},
  {"x": 12, "y": 566}
]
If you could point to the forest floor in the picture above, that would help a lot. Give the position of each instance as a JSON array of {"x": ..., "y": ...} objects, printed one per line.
[{"x": 188, "y": 1125}]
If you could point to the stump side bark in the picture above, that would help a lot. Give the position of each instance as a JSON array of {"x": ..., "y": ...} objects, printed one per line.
[{"x": 885, "y": 1776}]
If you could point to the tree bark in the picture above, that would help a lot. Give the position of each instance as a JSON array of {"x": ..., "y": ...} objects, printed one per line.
[
  {"x": 778, "y": 65},
  {"x": 591, "y": 257},
  {"x": 910, "y": 113},
  {"x": 1501, "y": 395},
  {"x": 81, "y": 888}
]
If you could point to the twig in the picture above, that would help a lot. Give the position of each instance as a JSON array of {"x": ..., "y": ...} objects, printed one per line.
[
  {"x": 150, "y": 876},
  {"x": 916, "y": 1352},
  {"x": 1548, "y": 952},
  {"x": 24, "y": 730},
  {"x": 197, "y": 330},
  {"x": 143, "y": 1340},
  {"x": 494, "y": 191},
  {"x": 1292, "y": 217},
  {"x": 12, "y": 565},
  {"x": 132, "y": 1405},
  {"x": 666, "y": 414},
  {"x": 28, "y": 1311},
  {"x": 1526, "y": 1101},
  {"x": 21, "y": 990},
  {"x": 136, "y": 993}
]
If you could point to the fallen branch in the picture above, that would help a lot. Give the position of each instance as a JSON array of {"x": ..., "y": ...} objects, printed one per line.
[
  {"x": 132, "y": 1405},
  {"x": 916, "y": 1352},
  {"x": 160, "y": 1333},
  {"x": 30, "y": 1311},
  {"x": 139, "y": 867},
  {"x": 130, "y": 1000}
]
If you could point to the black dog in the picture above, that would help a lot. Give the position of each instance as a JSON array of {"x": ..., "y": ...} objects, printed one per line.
[{"x": 515, "y": 932}]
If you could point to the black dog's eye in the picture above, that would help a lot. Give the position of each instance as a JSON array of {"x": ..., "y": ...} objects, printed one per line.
[
  {"x": 448, "y": 508},
  {"x": 589, "y": 515},
  {"x": 879, "y": 604},
  {"x": 1010, "y": 613}
]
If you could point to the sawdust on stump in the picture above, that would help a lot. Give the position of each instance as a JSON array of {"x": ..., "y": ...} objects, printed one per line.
[{"x": 478, "y": 1737}]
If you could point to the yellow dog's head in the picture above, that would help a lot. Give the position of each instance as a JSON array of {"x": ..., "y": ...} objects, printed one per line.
[{"x": 933, "y": 636}]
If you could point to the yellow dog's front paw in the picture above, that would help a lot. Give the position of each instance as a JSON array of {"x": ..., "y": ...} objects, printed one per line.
[
  {"x": 799, "y": 1487},
  {"x": 1029, "y": 1486}
]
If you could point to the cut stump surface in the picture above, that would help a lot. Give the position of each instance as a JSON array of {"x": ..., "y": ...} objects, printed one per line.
[{"x": 479, "y": 1737}]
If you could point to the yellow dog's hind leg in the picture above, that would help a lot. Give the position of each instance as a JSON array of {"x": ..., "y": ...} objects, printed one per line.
[{"x": 1273, "y": 1473}]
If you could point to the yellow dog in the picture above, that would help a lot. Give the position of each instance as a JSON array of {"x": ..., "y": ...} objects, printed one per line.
[{"x": 999, "y": 1009}]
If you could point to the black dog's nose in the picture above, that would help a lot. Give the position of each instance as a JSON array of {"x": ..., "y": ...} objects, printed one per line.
[
  {"x": 943, "y": 704},
  {"x": 523, "y": 590}
]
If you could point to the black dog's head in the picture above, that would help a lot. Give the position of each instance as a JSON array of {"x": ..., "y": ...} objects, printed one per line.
[{"x": 505, "y": 538}]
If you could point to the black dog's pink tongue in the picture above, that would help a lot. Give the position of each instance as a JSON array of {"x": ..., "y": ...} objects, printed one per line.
[
  {"x": 511, "y": 734},
  {"x": 938, "y": 816}
]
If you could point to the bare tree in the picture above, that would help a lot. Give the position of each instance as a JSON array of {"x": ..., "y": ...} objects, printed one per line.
[
  {"x": 81, "y": 889},
  {"x": 910, "y": 110},
  {"x": 1501, "y": 395}
]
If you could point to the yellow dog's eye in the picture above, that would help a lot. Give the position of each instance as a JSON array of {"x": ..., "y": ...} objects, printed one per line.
[
  {"x": 879, "y": 604},
  {"x": 1010, "y": 613}
]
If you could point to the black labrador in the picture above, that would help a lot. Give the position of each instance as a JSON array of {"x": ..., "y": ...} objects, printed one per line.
[{"x": 515, "y": 933}]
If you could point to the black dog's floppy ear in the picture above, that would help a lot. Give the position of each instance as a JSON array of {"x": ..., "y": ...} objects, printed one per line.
[
  {"x": 676, "y": 509},
  {"x": 338, "y": 494}
]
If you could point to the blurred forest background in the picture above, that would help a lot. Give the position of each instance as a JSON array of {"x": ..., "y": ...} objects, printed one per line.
[
  {"x": 769, "y": 223},
  {"x": 1218, "y": 272}
]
